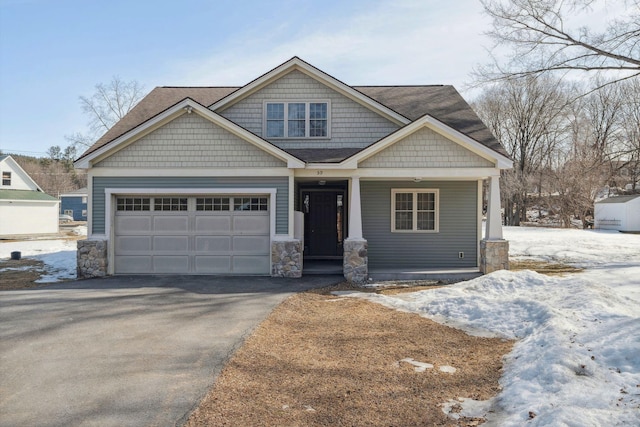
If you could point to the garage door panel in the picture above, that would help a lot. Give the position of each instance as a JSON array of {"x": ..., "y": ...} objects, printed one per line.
[
  {"x": 178, "y": 224},
  {"x": 213, "y": 224},
  {"x": 195, "y": 241},
  {"x": 212, "y": 264},
  {"x": 133, "y": 224},
  {"x": 213, "y": 243},
  {"x": 251, "y": 244},
  {"x": 170, "y": 243},
  {"x": 251, "y": 264},
  {"x": 127, "y": 244},
  {"x": 133, "y": 264},
  {"x": 170, "y": 264},
  {"x": 245, "y": 224}
]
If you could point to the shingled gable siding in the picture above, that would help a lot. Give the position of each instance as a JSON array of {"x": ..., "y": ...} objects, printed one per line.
[
  {"x": 457, "y": 231},
  {"x": 281, "y": 184},
  {"x": 352, "y": 125},
  {"x": 191, "y": 141},
  {"x": 425, "y": 148}
]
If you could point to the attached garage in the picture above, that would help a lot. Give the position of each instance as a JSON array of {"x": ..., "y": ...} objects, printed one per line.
[{"x": 196, "y": 234}]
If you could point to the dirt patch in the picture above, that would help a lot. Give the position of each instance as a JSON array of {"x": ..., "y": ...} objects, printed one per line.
[
  {"x": 20, "y": 274},
  {"x": 320, "y": 360},
  {"x": 542, "y": 267}
]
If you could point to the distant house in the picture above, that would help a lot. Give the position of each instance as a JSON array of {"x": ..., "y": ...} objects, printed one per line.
[
  {"x": 74, "y": 204},
  {"x": 618, "y": 213},
  {"x": 24, "y": 207}
]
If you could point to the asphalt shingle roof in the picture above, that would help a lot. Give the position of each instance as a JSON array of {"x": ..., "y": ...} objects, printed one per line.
[
  {"x": 25, "y": 195},
  {"x": 442, "y": 102}
]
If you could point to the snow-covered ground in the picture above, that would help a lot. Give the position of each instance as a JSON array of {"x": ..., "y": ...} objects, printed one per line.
[
  {"x": 58, "y": 256},
  {"x": 577, "y": 358}
]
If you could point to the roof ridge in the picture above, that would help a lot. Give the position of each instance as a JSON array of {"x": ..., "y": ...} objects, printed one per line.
[
  {"x": 430, "y": 85},
  {"x": 199, "y": 87}
]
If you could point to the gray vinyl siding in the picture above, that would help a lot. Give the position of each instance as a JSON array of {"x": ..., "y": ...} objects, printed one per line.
[
  {"x": 212, "y": 183},
  {"x": 352, "y": 125},
  {"x": 458, "y": 227}
]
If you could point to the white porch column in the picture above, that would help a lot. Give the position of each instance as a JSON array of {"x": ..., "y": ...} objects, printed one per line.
[
  {"x": 494, "y": 221},
  {"x": 355, "y": 264},
  {"x": 355, "y": 210}
]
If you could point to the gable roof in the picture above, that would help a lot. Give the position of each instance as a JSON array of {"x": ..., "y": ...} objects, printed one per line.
[
  {"x": 403, "y": 103},
  {"x": 15, "y": 167},
  {"x": 297, "y": 64},
  {"x": 187, "y": 106}
]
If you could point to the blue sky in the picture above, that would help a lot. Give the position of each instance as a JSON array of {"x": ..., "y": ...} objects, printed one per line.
[{"x": 51, "y": 52}]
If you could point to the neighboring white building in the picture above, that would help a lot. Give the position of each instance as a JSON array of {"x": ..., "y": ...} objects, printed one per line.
[
  {"x": 24, "y": 207},
  {"x": 618, "y": 213}
]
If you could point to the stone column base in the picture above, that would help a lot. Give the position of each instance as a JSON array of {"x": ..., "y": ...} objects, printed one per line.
[
  {"x": 356, "y": 262},
  {"x": 92, "y": 258},
  {"x": 286, "y": 258},
  {"x": 494, "y": 255}
]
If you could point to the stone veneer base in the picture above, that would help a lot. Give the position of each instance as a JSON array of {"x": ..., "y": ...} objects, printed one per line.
[
  {"x": 286, "y": 258},
  {"x": 494, "y": 255},
  {"x": 91, "y": 258},
  {"x": 356, "y": 262}
]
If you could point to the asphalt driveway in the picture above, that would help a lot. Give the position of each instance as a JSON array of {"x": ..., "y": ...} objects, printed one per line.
[{"x": 126, "y": 351}]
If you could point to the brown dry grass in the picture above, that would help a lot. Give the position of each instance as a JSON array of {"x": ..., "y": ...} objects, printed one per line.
[
  {"x": 542, "y": 267},
  {"x": 20, "y": 274},
  {"x": 320, "y": 360}
]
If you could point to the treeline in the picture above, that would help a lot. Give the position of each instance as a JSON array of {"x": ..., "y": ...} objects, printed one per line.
[
  {"x": 54, "y": 173},
  {"x": 569, "y": 149}
]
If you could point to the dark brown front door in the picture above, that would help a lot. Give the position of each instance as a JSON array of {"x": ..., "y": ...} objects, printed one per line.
[{"x": 324, "y": 222}]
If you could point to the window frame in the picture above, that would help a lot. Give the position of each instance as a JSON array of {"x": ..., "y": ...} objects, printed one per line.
[
  {"x": 414, "y": 209},
  {"x": 6, "y": 178},
  {"x": 307, "y": 119}
]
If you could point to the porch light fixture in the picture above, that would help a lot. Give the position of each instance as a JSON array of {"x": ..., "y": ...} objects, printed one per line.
[{"x": 322, "y": 182}]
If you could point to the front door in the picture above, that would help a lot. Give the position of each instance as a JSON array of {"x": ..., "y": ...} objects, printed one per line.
[{"x": 324, "y": 223}]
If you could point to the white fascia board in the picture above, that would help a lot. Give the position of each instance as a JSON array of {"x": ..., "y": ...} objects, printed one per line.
[
  {"x": 422, "y": 174},
  {"x": 335, "y": 84},
  {"x": 190, "y": 172},
  {"x": 450, "y": 133},
  {"x": 186, "y": 106}
]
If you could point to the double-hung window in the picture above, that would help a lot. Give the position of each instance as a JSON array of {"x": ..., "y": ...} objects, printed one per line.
[
  {"x": 6, "y": 178},
  {"x": 296, "y": 119},
  {"x": 414, "y": 210}
]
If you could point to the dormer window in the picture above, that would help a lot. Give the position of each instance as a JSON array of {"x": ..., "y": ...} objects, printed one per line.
[
  {"x": 296, "y": 119},
  {"x": 6, "y": 178}
]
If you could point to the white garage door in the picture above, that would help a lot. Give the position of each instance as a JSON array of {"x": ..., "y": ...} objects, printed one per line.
[{"x": 192, "y": 235}]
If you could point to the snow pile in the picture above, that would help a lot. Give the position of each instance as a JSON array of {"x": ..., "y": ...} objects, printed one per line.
[
  {"x": 58, "y": 256},
  {"x": 577, "y": 359}
]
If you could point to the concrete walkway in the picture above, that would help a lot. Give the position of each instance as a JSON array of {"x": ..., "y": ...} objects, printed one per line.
[{"x": 126, "y": 351}]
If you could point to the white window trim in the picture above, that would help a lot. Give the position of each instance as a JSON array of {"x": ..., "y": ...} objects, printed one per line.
[
  {"x": 286, "y": 117},
  {"x": 415, "y": 191}
]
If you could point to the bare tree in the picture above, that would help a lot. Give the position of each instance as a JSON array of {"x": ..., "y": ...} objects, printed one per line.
[
  {"x": 629, "y": 135},
  {"x": 109, "y": 103},
  {"x": 542, "y": 39},
  {"x": 527, "y": 118}
]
